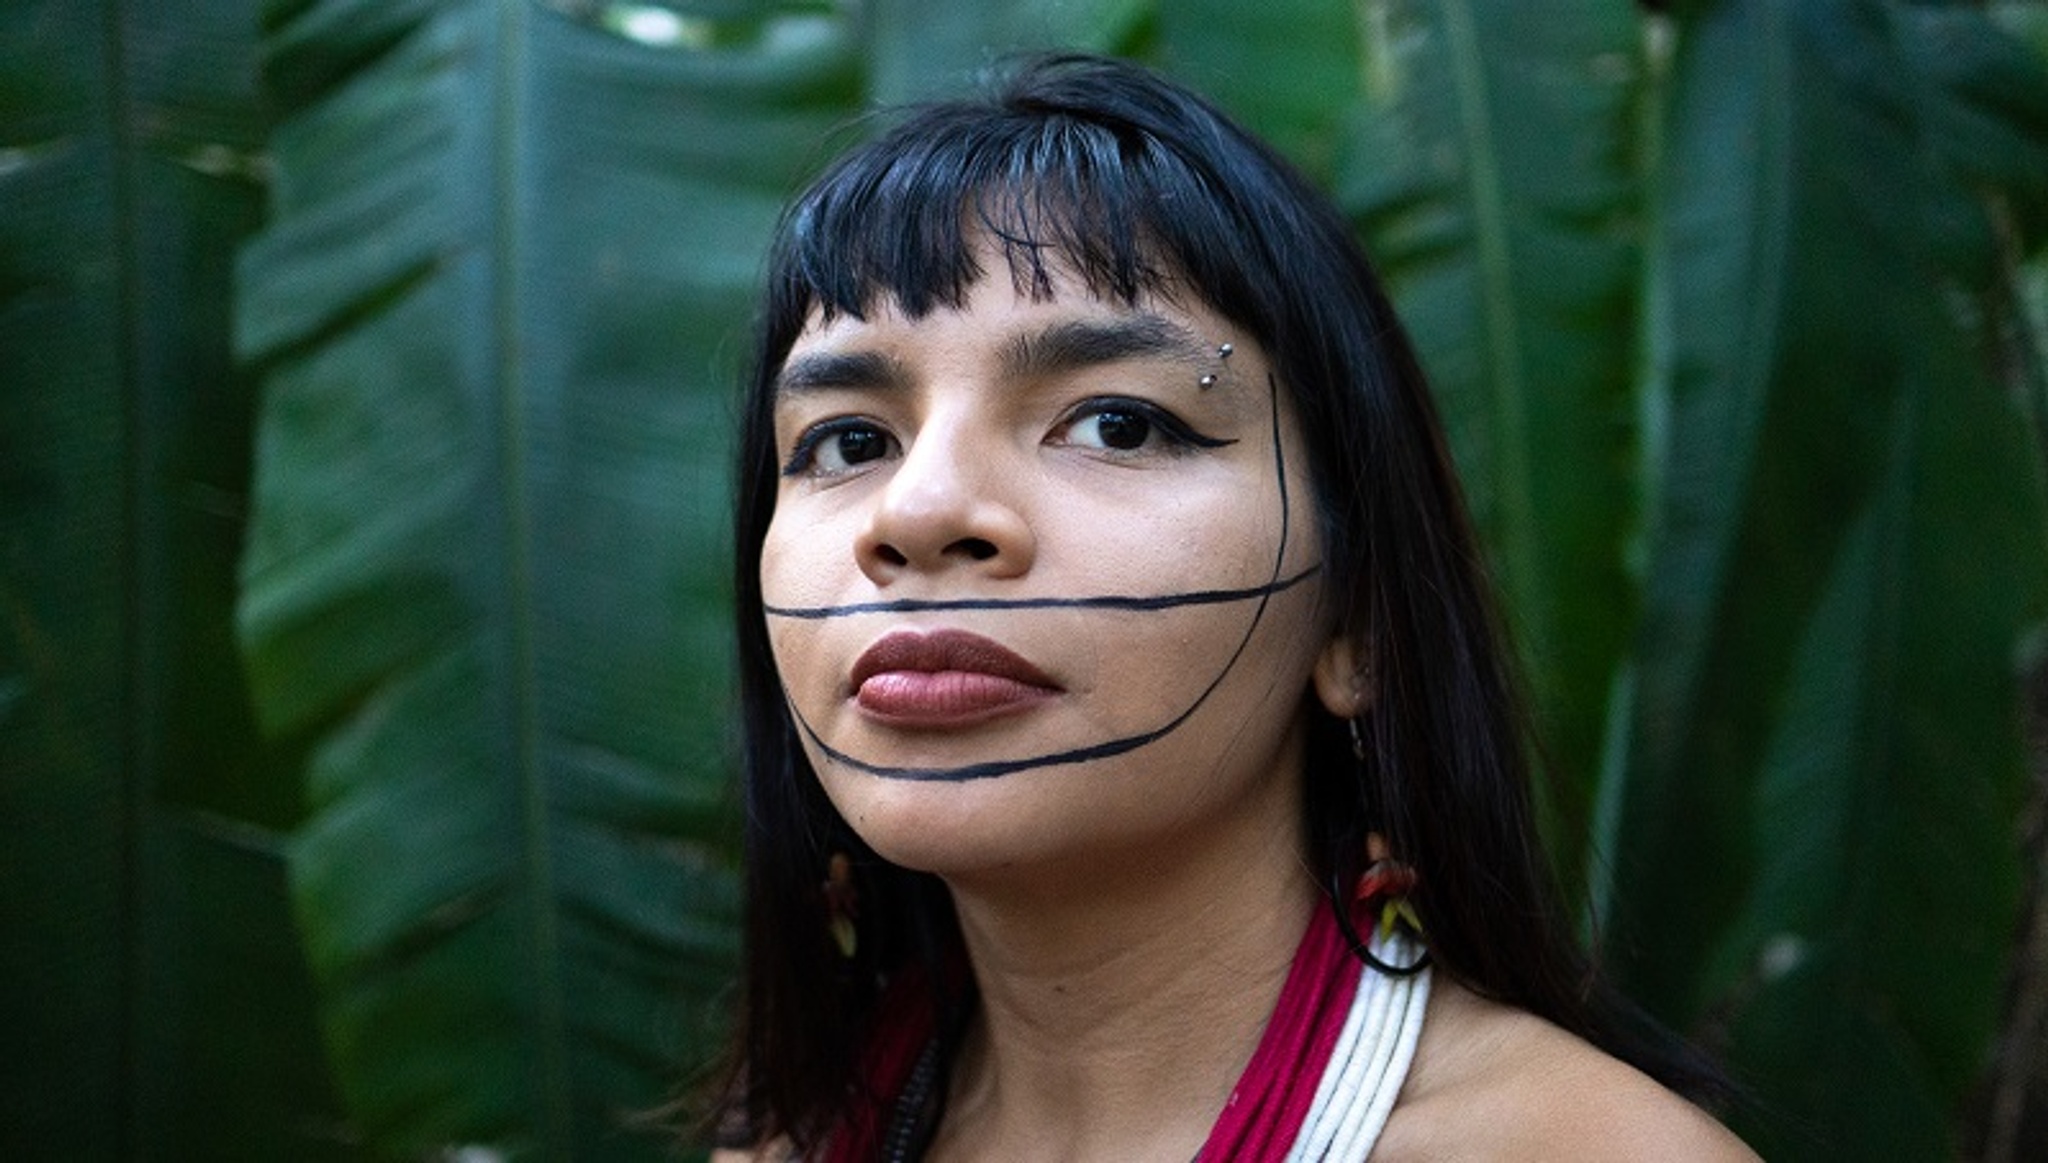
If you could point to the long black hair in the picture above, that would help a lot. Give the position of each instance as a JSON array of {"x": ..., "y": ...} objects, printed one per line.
[{"x": 1139, "y": 187}]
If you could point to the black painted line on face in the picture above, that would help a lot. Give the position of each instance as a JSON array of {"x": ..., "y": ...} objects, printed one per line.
[
  {"x": 1107, "y": 602},
  {"x": 998, "y": 767},
  {"x": 1113, "y": 747}
]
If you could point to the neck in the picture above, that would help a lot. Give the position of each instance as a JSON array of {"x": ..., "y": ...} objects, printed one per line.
[{"x": 1120, "y": 1004}]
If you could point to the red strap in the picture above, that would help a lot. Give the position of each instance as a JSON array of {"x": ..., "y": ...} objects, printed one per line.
[
  {"x": 1264, "y": 1113},
  {"x": 904, "y": 1022},
  {"x": 1260, "y": 1120}
]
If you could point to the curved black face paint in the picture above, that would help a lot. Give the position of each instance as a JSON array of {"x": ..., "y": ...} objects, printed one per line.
[
  {"x": 1263, "y": 594},
  {"x": 1106, "y": 602}
]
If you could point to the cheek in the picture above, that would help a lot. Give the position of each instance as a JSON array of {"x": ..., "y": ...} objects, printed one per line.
[
  {"x": 810, "y": 665},
  {"x": 787, "y": 644},
  {"x": 1167, "y": 541},
  {"x": 794, "y": 557},
  {"x": 776, "y": 555},
  {"x": 789, "y": 574}
]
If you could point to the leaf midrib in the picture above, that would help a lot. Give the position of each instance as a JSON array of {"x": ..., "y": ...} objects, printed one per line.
[
  {"x": 513, "y": 43},
  {"x": 1513, "y": 536},
  {"x": 1750, "y": 379}
]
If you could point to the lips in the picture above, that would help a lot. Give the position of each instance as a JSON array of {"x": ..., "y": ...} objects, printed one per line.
[{"x": 942, "y": 679}]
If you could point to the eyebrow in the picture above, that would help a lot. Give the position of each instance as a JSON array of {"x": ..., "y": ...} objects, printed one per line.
[
  {"x": 1062, "y": 347},
  {"x": 825, "y": 370},
  {"x": 1082, "y": 343}
]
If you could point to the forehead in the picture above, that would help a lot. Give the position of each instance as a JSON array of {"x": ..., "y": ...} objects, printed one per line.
[
  {"x": 1054, "y": 304},
  {"x": 1004, "y": 336},
  {"x": 1002, "y": 266},
  {"x": 1018, "y": 329}
]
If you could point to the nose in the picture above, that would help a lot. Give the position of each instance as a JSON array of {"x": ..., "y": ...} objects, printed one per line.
[{"x": 948, "y": 505}]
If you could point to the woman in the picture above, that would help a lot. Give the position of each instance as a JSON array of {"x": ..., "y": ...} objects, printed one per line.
[{"x": 1133, "y": 767}]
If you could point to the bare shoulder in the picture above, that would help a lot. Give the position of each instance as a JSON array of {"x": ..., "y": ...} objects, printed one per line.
[{"x": 1490, "y": 1082}]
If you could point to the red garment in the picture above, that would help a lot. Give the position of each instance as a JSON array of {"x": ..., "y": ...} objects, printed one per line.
[
  {"x": 1264, "y": 1113},
  {"x": 1266, "y": 1108},
  {"x": 906, "y": 1022}
]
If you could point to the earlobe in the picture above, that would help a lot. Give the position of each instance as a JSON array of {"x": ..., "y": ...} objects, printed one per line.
[{"x": 1343, "y": 680}]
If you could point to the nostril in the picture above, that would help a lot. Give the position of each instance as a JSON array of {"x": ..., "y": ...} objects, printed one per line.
[
  {"x": 980, "y": 549},
  {"x": 892, "y": 555}
]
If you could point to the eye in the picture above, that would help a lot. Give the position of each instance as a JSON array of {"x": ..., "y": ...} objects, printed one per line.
[
  {"x": 1120, "y": 428},
  {"x": 1123, "y": 425},
  {"x": 836, "y": 447}
]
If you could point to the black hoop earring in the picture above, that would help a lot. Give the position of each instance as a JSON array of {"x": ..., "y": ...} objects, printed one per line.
[{"x": 1359, "y": 946}]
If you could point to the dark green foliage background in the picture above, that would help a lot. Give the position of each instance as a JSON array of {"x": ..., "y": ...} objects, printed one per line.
[{"x": 365, "y": 382}]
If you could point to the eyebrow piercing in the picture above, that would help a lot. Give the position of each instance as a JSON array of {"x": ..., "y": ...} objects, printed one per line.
[{"x": 1223, "y": 351}]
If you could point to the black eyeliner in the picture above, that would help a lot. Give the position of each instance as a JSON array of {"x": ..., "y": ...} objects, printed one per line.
[
  {"x": 804, "y": 455},
  {"x": 1176, "y": 429}
]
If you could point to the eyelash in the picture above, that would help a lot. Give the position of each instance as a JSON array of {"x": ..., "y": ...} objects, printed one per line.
[
  {"x": 1178, "y": 435},
  {"x": 804, "y": 457}
]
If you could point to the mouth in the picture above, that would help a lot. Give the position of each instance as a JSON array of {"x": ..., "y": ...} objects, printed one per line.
[{"x": 945, "y": 679}]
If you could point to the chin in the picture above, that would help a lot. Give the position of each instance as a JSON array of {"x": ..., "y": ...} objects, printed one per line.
[{"x": 929, "y": 826}]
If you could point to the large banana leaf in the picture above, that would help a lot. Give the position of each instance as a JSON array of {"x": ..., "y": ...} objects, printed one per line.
[
  {"x": 63, "y": 787},
  {"x": 155, "y": 1000},
  {"x": 499, "y": 309},
  {"x": 1289, "y": 69},
  {"x": 920, "y": 49},
  {"x": 1814, "y": 847},
  {"x": 1491, "y": 167}
]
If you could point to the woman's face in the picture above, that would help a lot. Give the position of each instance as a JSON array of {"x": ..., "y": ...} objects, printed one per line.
[{"x": 1042, "y": 575}]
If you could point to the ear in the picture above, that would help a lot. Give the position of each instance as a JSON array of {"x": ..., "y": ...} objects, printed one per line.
[{"x": 1342, "y": 680}]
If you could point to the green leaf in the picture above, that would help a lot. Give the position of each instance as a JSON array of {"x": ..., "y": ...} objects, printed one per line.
[
  {"x": 156, "y": 1002},
  {"x": 1988, "y": 118},
  {"x": 922, "y": 49},
  {"x": 1888, "y": 789},
  {"x": 1289, "y": 69},
  {"x": 65, "y": 636},
  {"x": 499, "y": 306},
  {"x": 1815, "y": 858},
  {"x": 1491, "y": 167},
  {"x": 2025, "y": 20}
]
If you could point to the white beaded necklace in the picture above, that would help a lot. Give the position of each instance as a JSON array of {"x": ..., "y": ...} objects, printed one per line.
[{"x": 1370, "y": 1061}]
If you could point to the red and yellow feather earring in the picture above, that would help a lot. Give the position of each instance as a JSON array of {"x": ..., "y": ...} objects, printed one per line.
[
  {"x": 1382, "y": 894},
  {"x": 842, "y": 904},
  {"x": 1381, "y": 899}
]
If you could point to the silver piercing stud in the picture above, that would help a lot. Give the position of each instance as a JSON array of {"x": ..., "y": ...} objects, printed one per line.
[
  {"x": 1223, "y": 351},
  {"x": 1208, "y": 381}
]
